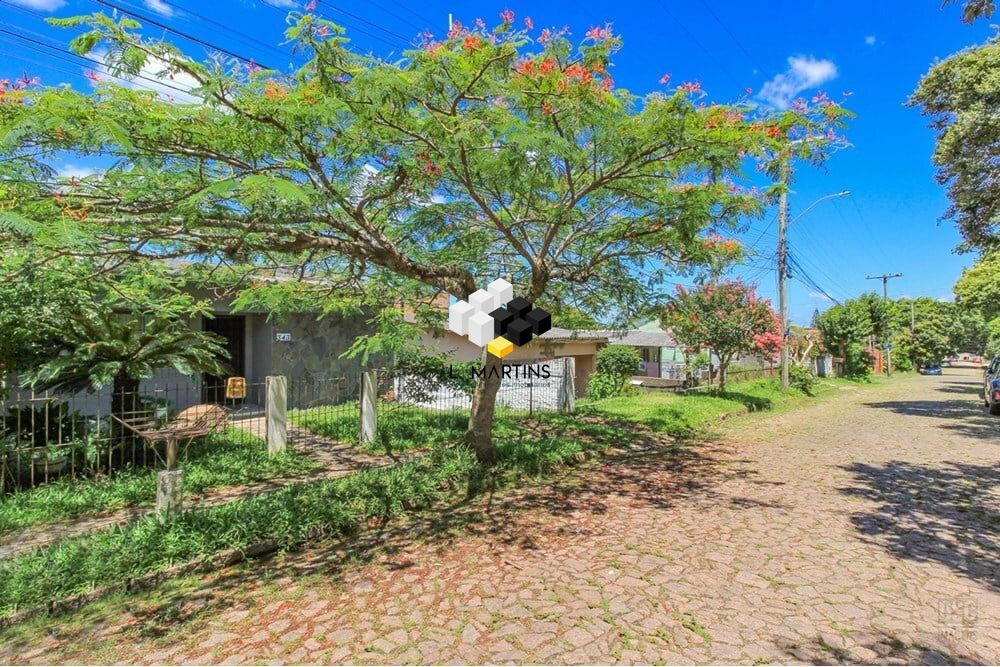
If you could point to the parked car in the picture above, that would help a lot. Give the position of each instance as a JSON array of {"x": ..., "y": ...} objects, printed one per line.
[
  {"x": 933, "y": 369},
  {"x": 991, "y": 386}
]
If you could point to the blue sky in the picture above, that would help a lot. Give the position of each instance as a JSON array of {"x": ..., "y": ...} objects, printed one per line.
[{"x": 875, "y": 50}]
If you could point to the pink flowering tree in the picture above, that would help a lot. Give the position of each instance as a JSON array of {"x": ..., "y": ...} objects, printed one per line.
[{"x": 726, "y": 316}]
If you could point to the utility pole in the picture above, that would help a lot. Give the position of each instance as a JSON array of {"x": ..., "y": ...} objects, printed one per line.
[
  {"x": 783, "y": 268},
  {"x": 885, "y": 278}
]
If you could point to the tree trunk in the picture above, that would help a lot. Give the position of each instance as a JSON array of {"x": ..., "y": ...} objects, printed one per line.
[
  {"x": 723, "y": 368},
  {"x": 479, "y": 435}
]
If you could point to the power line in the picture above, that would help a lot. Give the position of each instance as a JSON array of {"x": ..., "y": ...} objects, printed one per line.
[
  {"x": 406, "y": 40},
  {"x": 179, "y": 33},
  {"x": 65, "y": 56},
  {"x": 730, "y": 33}
]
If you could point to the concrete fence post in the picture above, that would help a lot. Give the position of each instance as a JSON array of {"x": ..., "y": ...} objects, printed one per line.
[
  {"x": 369, "y": 409},
  {"x": 276, "y": 413},
  {"x": 169, "y": 493},
  {"x": 566, "y": 401}
]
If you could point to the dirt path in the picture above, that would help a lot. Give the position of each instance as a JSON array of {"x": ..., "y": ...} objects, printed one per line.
[{"x": 863, "y": 528}]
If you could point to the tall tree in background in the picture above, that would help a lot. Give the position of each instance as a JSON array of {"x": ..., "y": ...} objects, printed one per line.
[
  {"x": 961, "y": 94},
  {"x": 492, "y": 152},
  {"x": 727, "y": 317}
]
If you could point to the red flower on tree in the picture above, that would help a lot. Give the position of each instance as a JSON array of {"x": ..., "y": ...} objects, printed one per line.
[{"x": 727, "y": 317}]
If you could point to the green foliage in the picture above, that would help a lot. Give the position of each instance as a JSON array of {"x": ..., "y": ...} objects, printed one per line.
[
  {"x": 844, "y": 325},
  {"x": 726, "y": 316},
  {"x": 979, "y": 286},
  {"x": 801, "y": 378},
  {"x": 613, "y": 367},
  {"x": 857, "y": 361},
  {"x": 960, "y": 95},
  {"x": 602, "y": 385},
  {"x": 219, "y": 460},
  {"x": 993, "y": 342},
  {"x": 36, "y": 301},
  {"x": 100, "y": 346}
]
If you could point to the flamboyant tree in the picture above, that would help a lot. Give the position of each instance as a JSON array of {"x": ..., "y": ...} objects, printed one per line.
[
  {"x": 492, "y": 152},
  {"x": 728, "y": 318}
]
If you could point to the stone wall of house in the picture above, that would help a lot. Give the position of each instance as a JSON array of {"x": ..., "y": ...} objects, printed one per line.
[{"x": 316, "y": 345}]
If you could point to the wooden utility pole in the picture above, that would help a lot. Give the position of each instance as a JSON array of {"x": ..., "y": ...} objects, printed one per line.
[
  {"x": 885, "y": 278},
  {"x": 783, "y": 268}
]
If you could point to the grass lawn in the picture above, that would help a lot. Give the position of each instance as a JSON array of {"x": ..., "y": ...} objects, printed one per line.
[
  {"x": 690, "y": 414},
  {"x": 219, "y": 460},
  {"x": 400, "y": 427}
]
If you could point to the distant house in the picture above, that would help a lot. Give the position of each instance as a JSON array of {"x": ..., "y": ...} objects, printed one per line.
[{"x": 661, "y": 357}]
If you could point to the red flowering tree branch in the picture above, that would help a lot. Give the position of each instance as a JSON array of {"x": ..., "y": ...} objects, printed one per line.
[{"x": 727, "y": 317}]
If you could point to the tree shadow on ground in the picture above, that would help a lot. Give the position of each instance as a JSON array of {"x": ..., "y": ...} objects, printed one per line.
[
  {"x": 966, "y": 417},
  {"x": 834, "y": 649},
  {"x": 948, "y": 513},
  {"x": 648, "y": 469}
]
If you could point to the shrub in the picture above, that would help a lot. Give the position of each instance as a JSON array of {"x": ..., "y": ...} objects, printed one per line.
[
  {"x": 602, "y": 385},
  {"x": 857, "y": 362},
  {"x": 802, "y": 379},
  {"x": 615, "y": 364}
]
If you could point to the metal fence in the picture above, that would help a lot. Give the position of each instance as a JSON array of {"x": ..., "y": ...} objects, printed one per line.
[{"x": 46, "y": 436}]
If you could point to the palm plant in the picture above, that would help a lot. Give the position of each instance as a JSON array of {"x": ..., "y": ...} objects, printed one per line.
[{"x": 102, "y": 347}]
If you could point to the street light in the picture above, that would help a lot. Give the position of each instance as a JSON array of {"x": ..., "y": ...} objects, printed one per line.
[{"x": 783, "y": 267}]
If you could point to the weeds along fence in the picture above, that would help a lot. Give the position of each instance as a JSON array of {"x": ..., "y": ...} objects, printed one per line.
[{"x": 46, "y": 436}]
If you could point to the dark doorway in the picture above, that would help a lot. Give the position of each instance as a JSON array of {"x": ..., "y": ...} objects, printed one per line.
[{"x": 233, "y": 329}]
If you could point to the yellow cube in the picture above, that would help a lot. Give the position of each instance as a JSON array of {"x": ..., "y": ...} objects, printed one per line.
[{"x": 500, "y": 347}]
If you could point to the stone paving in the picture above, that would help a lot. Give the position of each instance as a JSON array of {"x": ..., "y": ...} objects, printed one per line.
[{"x": 862, "y": 528}]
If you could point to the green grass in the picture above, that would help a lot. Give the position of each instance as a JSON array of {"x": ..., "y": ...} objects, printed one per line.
[
  {"x": 688, "y": 414},
  {"x": 219, "y": 460},
  {"x": 290, "y": 517},
  {"x": 400, "y": 427}
]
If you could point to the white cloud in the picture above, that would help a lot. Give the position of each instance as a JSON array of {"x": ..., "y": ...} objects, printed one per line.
[
  {"x": 170, "y": 87},
  {"x": 803, "y": 73},
  {"x": 41, "y": 5},
  {"x": 870, "y": 40},
  {"x": 283, "y": 4},
  {"x": 160, "y": 7},
  {"x": 75, "y": 171},
  {"x": 820, "y": 296}
]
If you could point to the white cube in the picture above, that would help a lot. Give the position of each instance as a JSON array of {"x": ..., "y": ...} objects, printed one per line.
[
  {"x": 483, "y": 301},
  {"x": 502, "y": 290},
  {"x": 458, "y": 317},
  {"x": 481, "y": 329}
]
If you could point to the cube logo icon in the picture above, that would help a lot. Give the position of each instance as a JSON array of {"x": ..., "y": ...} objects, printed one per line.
[{"x": 497, "y": 320}]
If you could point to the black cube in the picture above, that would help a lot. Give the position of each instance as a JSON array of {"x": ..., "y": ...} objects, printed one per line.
[
  {"x": 540, "y": 320},
  {"x": 501, "y": 320},
  {"x": 518, "y": 332},
  {"x": 519, "y": 306}
]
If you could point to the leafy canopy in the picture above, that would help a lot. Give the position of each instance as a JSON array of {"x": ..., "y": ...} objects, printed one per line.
[
  {"x": 726, "y": 316},
  {"x": 961, "y": 95},
  {"x": 491, "y": 152}
]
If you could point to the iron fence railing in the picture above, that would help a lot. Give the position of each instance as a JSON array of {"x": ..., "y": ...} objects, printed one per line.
[{"x": 46, "y": 436}]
